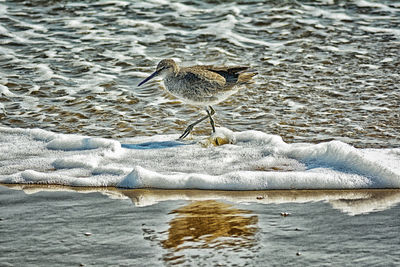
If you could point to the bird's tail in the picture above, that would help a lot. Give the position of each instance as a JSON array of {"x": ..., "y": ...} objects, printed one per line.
[{"x": 245, "y": 77}]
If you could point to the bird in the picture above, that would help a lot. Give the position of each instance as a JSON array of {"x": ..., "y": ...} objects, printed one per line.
[{"x": 201, "y": 85}]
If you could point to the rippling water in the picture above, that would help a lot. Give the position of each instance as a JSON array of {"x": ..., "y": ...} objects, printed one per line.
[{"x": 327, "y": 69}]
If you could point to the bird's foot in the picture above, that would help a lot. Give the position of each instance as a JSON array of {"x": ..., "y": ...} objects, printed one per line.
[{"x": 186, "y": 132}]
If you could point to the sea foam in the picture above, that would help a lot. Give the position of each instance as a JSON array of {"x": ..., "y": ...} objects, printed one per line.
[{"x": 249, "y": 160}]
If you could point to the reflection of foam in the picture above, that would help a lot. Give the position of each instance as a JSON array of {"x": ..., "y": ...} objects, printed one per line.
[
  {"x": 209, "y": 224},
  {"x": 352, "y": 202},
  {"x": 349, "y": 201},
  {"x": 370, "y": 201},
  {"x": 33, "y": 189}
]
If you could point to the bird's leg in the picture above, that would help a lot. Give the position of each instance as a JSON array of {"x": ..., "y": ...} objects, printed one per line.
[
  {"x": 190, "y": 127},
  {"x": 210, "y": 113}
]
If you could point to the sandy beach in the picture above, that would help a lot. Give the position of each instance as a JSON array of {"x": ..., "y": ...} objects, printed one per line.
[{"x": 67, "y": 226}]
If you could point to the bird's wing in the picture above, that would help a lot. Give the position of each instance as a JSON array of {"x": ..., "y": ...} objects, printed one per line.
[
  {"x": 217, "y": 78},
  {"x": 202, "y": 74}
]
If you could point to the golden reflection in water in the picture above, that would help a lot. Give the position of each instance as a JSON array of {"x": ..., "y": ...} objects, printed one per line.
[{"x": 210, "y": 224}]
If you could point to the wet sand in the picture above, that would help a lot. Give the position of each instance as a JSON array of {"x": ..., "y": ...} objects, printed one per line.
[{"x": 68, "y": 226}]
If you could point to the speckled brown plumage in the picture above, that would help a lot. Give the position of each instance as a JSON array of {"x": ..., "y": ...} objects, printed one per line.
[{"x": 203, "y": 85}]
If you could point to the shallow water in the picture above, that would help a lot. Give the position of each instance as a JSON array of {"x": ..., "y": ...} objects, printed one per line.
[
  {"x": 327, "y": 70},
  {"x": 103, "y": 227}
]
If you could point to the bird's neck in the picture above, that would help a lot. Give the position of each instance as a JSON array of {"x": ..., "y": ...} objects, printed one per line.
[{"x": 175, "y": 70}]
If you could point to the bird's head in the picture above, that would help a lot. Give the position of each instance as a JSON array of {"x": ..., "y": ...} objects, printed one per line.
[{"x": 164, "y": 68}]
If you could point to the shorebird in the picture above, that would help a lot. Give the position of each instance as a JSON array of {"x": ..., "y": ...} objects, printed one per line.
[{"x": 201, "y": 85}]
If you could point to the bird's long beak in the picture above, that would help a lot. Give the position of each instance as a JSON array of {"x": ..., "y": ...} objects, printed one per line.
[{"x": 154, "y": 74}]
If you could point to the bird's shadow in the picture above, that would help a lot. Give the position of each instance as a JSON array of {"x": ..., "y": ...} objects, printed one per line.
[{"x": 154, "y": 145}]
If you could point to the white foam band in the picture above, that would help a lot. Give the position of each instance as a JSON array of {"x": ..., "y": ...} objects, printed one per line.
[{"x": 252, "y": 161}]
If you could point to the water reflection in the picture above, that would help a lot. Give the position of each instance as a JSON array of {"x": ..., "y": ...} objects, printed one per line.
[
  {"x": 352, "y": 202},
  {"x": 209, "y": 224}
]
